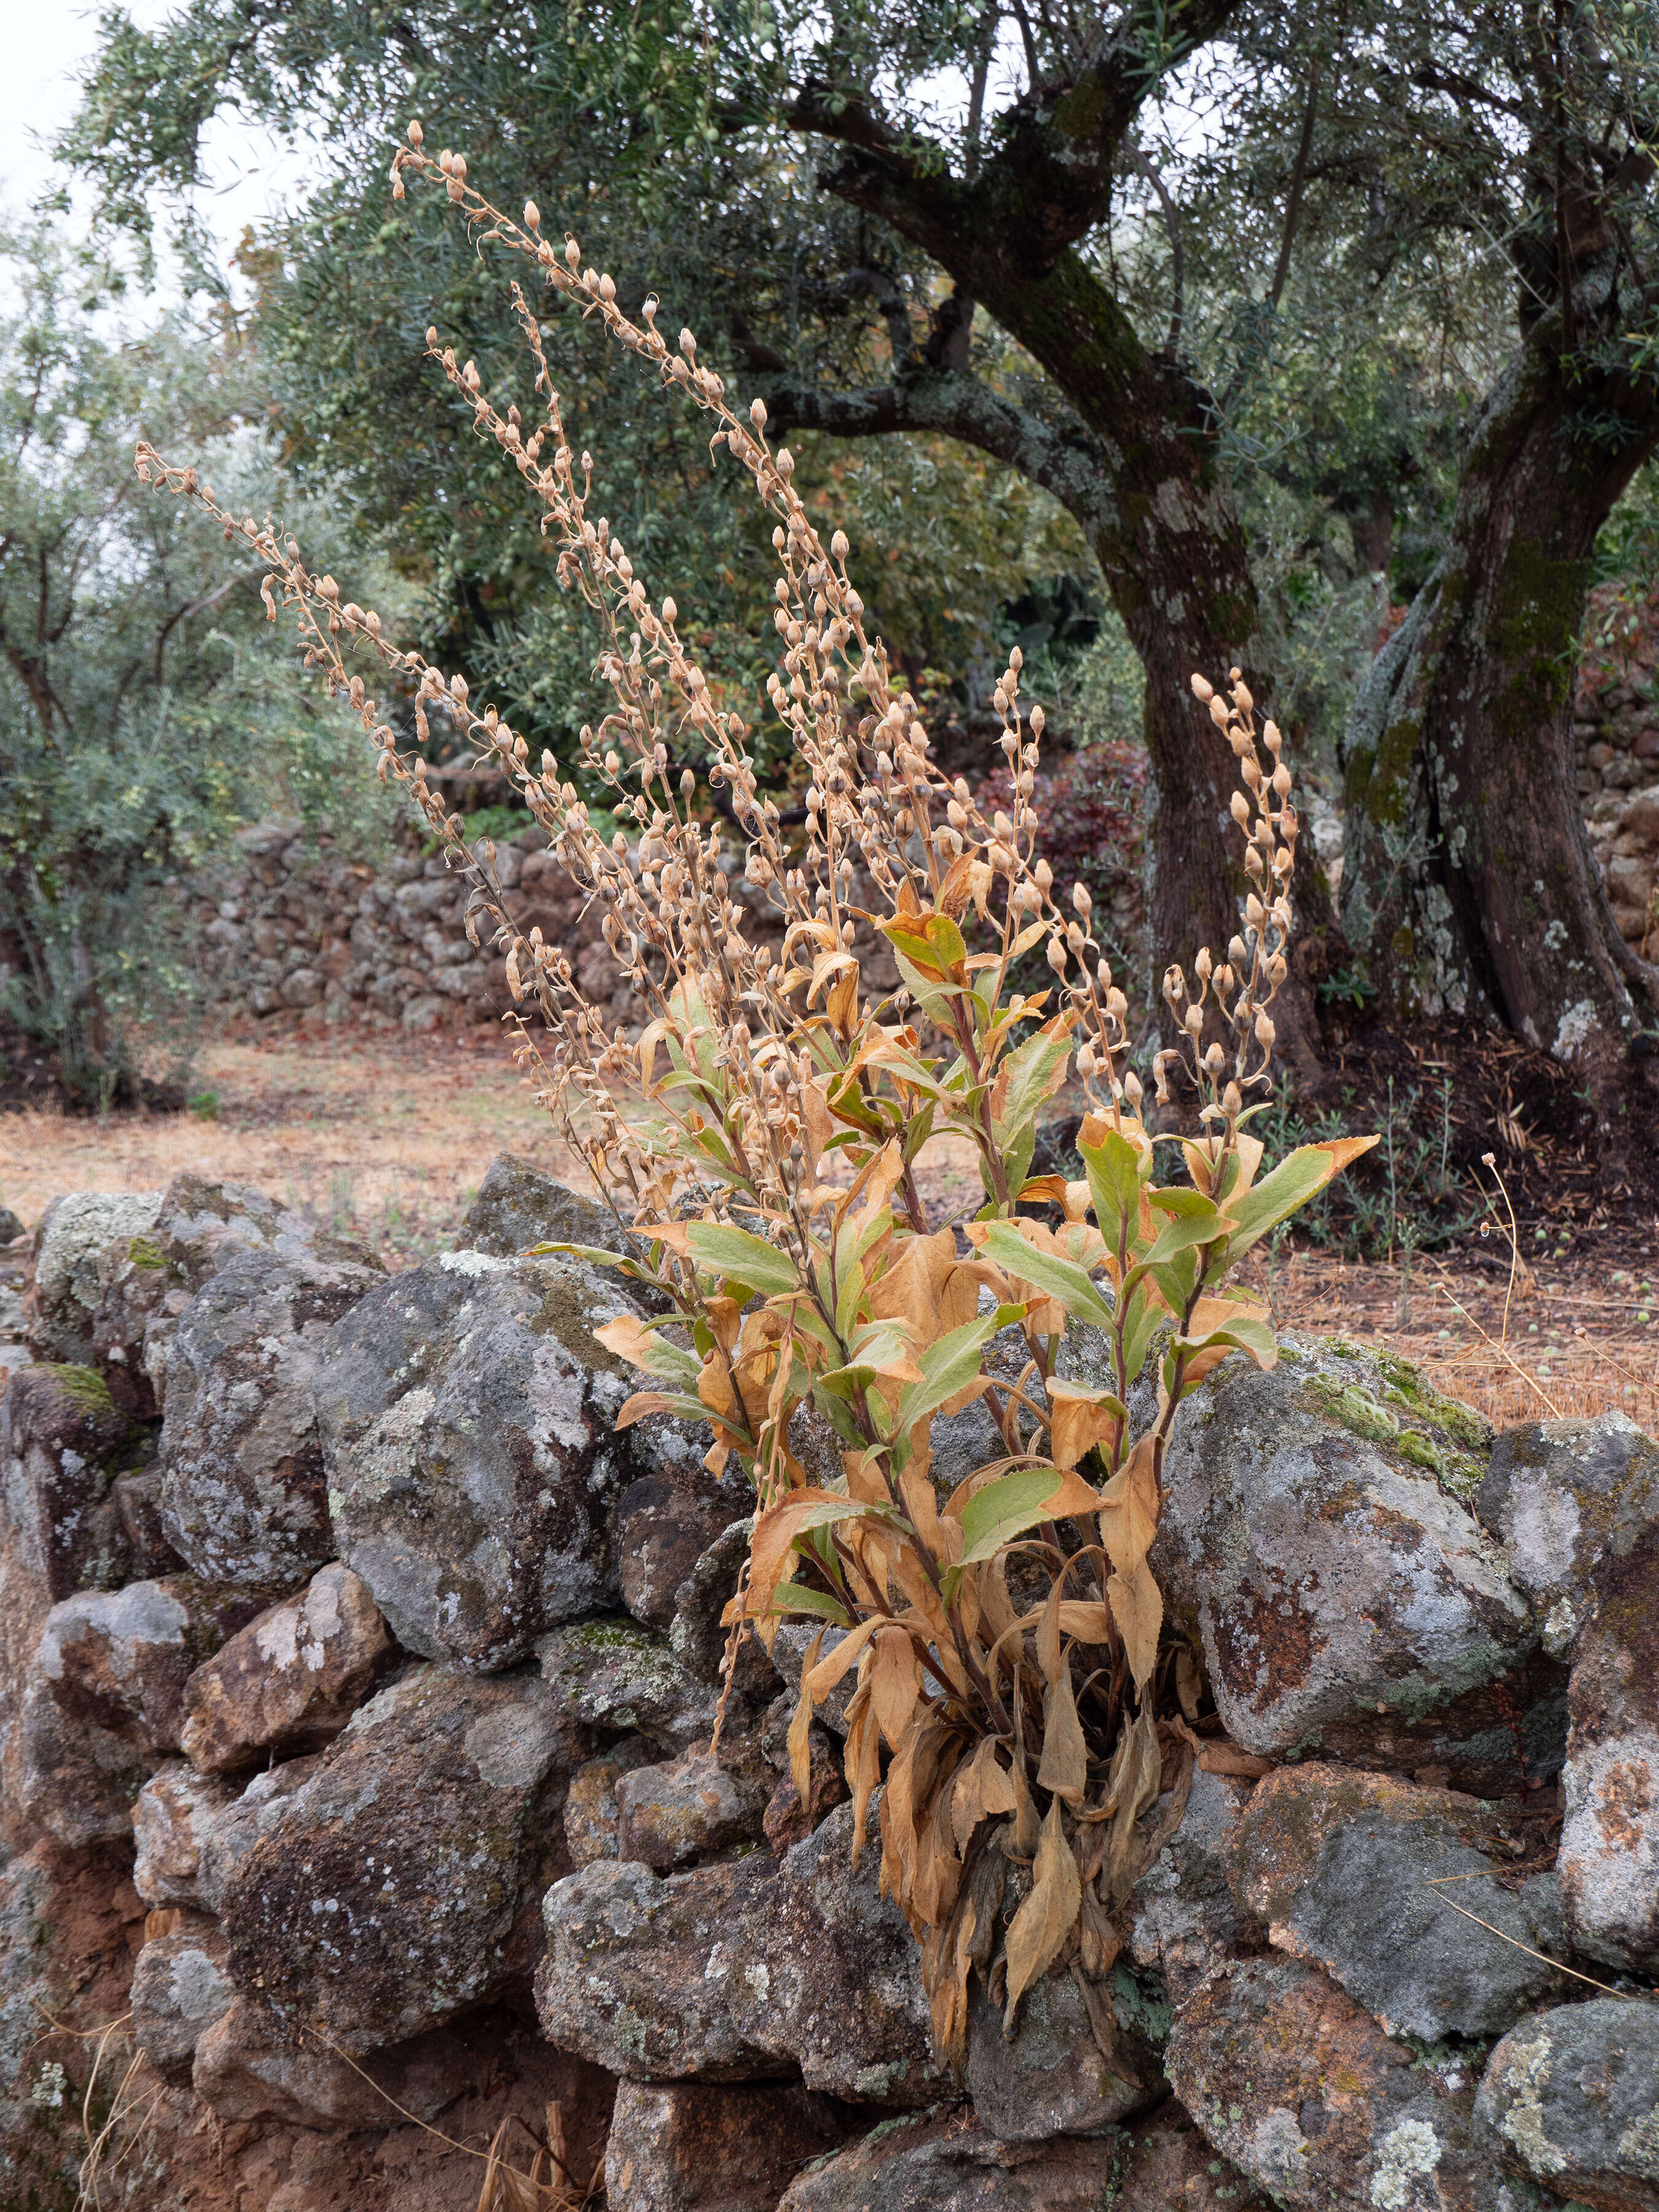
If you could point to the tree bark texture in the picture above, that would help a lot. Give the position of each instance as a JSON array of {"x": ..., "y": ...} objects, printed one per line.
[{"x": 1469, "y": 884}]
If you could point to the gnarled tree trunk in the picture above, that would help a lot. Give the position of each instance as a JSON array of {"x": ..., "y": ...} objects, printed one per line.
[{"x": 1469, "y": 883}]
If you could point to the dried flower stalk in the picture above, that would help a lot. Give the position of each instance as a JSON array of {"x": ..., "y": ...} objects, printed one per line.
[{"x": 758, "y": 1144}]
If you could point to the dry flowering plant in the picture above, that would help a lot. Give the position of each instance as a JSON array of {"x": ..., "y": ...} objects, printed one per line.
[{"x": 1016, "y": 1695}]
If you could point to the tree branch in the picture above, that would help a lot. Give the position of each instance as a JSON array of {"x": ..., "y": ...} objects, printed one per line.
[
  {"x": 1068, "y": 462},
  {"x": 1051, "y": 178},
  {"x": 1171, "y": 215},
  {"x": 1298, "y": 186}
]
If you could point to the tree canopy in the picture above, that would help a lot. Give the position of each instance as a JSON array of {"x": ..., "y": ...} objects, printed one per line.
[{"x": 1234, "y": 287}]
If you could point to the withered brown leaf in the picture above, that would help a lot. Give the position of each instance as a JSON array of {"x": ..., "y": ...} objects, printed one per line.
[
  {"x": 1064, "y": 1767},
  {"x": 1038, "y": 1933}
]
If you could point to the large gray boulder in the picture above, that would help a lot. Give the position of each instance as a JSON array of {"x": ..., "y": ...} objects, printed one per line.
[
  {"x": 1404, "y": 1895},
  {"x": 518, "y": 1205},
  {"x": 1346, "y": 1599},
  {"x": 78, "y": 1246},
  {"x": 831, "y": 1978},
  {"x": 1609, "y": 1856},
  {"x": 636, "y": 1969},
  {"x": 244, "y": 1495},
  {"x": 468, "y": 1416},
  {"x": 114, "y": 1271},
  {"x": 1570, "y": 2099},
  {"x": 1561, "y": 1494},
  {"x": 1298, "y": 2087},
  {"x": 397, "y": 1885}
]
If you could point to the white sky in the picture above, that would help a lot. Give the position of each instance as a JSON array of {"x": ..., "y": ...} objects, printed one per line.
[{"x": 47, "y": 44}]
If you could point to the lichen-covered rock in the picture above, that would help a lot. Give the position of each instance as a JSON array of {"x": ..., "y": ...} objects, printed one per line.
[
  {"x": 660, "y": 1532},
  {"x": 938, "y": 2162},
  {"x": 1570, "y": 2099},
  {"x": 590, "y": 1806},
  {"x": 115, "y": 1271},
  {"x": 518, "y": 1205},
  {"x": 120, "y": 1659},
  {"x": 1559, "y": 1493},
  {"x": 1403, "y": 1895},
  {"x": 75, "y": 1780},
  {"x": 245, "y": 1820},
  {"x": 713, "y": 2146},
  {"x": 102, "y": 1700},
  {"x": 635, "y": 1974},
  {"x": 172, "y": 1818},
  {"x": 943, "y": 2161},
  {"x": 1053, "y": 2077},
  {"x": 1312, "y": 1530},
  {"x": 179, "y": 1987},
  {"x": 1609, "y": 1857},
  {"x": 75, "y": 1251},
  {"x": 469, "y": 1417},
  {"x": 397, "y": 1885},
  {"x": 64, "y": 1442},
  {"x": 669, "y": 1815},
  {"x": 148, "y": 1279},
  {"x": 1183, "y": 1919},
  {"x": 829, "y": 1975},
  {"x": 615, "y": 1675},
  {"x": 1299, "y": 2088},
  {"x": 244, "y": 1497},
  {"x": 289, "y": 1681}
]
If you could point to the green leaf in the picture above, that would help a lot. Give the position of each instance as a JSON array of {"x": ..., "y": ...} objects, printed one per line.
[
  {"x": 1060, "y": 1279},
  {"x": 1004, "y": 1508},
  {"x": 948, "y": 1366},
  {"x": 726, "y": 1250},
  {"x": 846, "y": 1306},
  {"x": 596, "y": 1254},
  {"x": 1299, "y": 1177},
  {"x": 1142, "y": 1318},
  {"x": 1031, "y": 1073},
  {"x": 1113, "y": 1167},
  {"x": 833, "y": 1404},
  {"x": 790, "y": 1598},
  {"x": 671, "y": 1363},
  {"x": 1194, "y": 1219},
  {"x": 1244, "y": 1332}
]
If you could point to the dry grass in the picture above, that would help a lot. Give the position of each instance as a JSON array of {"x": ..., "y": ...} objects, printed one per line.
[
  {"x": 394, "y": 1135},
  {"x": 1574, "y": 1340}
]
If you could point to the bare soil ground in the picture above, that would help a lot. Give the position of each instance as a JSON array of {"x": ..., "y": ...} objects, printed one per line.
[{"x": 392, "y": 1136}]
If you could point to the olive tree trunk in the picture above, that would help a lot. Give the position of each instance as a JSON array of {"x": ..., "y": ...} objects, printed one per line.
[{"x": 1469, "y": 884}]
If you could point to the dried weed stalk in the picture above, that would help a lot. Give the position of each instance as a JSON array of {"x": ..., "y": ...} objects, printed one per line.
[{"x": 759, "y": 1144}]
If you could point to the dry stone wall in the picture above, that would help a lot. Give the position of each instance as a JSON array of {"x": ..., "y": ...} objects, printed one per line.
[
  {"x": 290, "y": 928},
  {"x": 358, "y": 1686}
]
